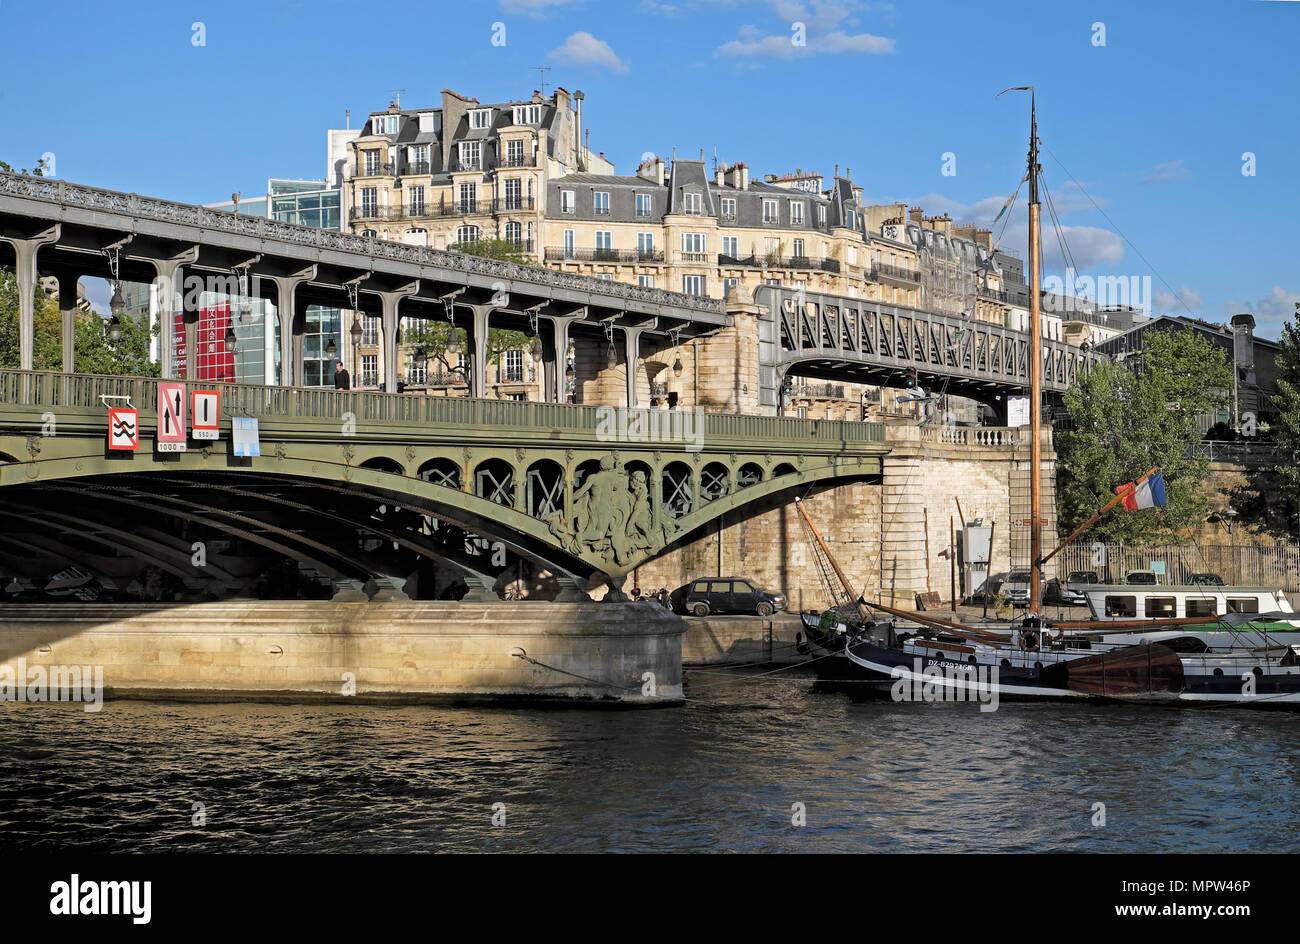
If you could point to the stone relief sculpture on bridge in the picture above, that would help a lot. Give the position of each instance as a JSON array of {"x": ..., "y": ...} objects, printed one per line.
[{"x": 612, "y": 516}]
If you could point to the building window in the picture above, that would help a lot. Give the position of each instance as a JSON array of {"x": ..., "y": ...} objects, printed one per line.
[
  {"x": 771, "y": 213},
  {"x": 468, "y": 198},
  {"x": 604, "y": 239},
  {"x": 416, "y": 197},
  {"x": 514, "y": 198},
  {"x": 731, "y": 247},
  {"x": 606, "y": 276},
  {"x": 600, "y": 201},
  {"x": 470, "y": 155},
  {"x": 467, "y": 234},
  {"x": 692, "y": 203},
  {"x": 692, "y": 285},
  {"x": 566, "y": 201},
  {"x": 512, "y": 367},
  {"x": 369, "y": 370},
  {"x": 515, "y": 153},
  {"x": 728, "y": 208},
  {"x": 417, "y": 159},
  {"x": 798, "y": 248},
  {"x": 570, "y": 250},
  {"x": 514, "y": 233},
  {"x": 645, "y": 281},
  {"x": 728, "y": 286},
  {"x": 528, "y": 114},
  {"x": 385, "y": 124},
  {"x": 850, "y": 219},
  {"x": 796, "y": 212},
  {"x": 369, "y": 330},
  {"x": 480, "y": 118},
  {"x": 644, "y": 204},
  {"x": 693, "y": 243},
  {"x": 371, "y": 160},
  {"x": 645, "y": 243},
  {"x": 369, "y": 202},
  {"x": 821, "y": 215}
]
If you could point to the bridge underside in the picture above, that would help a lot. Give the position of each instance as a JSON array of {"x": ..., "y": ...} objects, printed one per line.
[{"x": 192, "y": 528}]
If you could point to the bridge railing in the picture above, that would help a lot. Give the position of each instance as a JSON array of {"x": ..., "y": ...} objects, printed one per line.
[{"x": 48, "y": 390}]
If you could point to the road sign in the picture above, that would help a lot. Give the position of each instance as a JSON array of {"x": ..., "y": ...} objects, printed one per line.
[
  {"x": 171, "y": 416},
  {"x": 123, "y": 429},
  {"x": 205, "y": 414},
  {"x": 243, "y": 434}
]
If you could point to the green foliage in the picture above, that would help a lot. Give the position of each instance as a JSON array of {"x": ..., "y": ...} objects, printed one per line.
[
  {"x": 94, "y": 352},
  {"x": 1123, "y": 426},
  {"x": 1287, "y": 405}
]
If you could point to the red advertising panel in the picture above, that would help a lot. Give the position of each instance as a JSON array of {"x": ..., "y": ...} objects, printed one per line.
[{"x": 215, "y": 363}]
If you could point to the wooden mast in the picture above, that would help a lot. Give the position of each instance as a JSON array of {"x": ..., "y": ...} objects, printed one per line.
[{"x": 1035, "y": 373}]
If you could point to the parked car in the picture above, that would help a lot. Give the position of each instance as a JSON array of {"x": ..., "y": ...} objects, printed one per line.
[
  {"x": 731, "y": 595},
  {"x": 1071, "y": 591},
  {"x": 1205, "y": 580},
  {"x": 1016, "y": 587},
  {"x": 1142, "y": 578}
]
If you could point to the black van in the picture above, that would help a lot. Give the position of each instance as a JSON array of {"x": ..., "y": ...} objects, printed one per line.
[{"x": 730, "y": 595}]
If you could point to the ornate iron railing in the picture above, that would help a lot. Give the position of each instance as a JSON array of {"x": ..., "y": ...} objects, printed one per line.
[{"x": 63, "y": 193}]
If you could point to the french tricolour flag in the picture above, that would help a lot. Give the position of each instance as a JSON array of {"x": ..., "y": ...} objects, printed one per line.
[{"x": 1148, "y": 493}]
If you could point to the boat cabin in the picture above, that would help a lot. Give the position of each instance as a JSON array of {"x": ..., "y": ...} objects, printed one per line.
[{"x": 1135, "y": 601}]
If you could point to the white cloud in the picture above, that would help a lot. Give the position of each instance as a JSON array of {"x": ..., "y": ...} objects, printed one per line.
[
  {"x": 1168, "y": 303},
  {"x": 1090, "y": 247},
  {"x": 535, "y": 7},
  {"x": 1274, "y": 309},
  {"x": 822, "y": 26},
  {"x": 585, "y": 49},
  {"x": 1174, "y": 170}
]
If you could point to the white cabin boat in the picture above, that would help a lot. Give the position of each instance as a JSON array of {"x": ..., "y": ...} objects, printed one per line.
[{"x": 1142, "y": 601}]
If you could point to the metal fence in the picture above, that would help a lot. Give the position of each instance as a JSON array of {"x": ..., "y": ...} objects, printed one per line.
[{"x": 1274, "y": 566}]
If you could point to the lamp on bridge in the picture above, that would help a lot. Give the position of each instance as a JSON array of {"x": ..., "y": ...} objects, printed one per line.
[
  {"x": 331, "y": 349},
  {"x": 116, "y": 304}
]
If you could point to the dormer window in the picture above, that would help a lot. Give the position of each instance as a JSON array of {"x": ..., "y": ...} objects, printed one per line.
[
  {"x": 470, "y": 152},
  {"x": 384, "y": 124},
  {"x": 528, "y": 114},
  {"x": 480, "y": 118},
  {"x": 692, "y": 203}
]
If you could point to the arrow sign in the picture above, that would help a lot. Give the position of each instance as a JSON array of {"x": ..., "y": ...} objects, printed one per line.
[
  {"x": 171, "y": 417},
  {"x": 123, "y": 429},
  {"x": 205, "y": 414}
]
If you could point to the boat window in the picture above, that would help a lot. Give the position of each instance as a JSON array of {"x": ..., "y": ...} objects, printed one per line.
[
  {"x": 1202, "y": 607},
  {"x": 1243, "y": 605},
  {"x": 701, "y": 587},
  {"x": 1160, "y": 607},
  {"x": 720, "y": 586},
  {"x": 1121, "y": 606}
]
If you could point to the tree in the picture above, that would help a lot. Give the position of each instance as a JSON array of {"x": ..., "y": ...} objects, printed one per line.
[
  {"x": 1130, "y": 417},
  {"x": 1287, "y": 406}
]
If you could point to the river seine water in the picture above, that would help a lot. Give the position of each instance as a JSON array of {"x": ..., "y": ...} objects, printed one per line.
[{"x": 729, "y": 771}]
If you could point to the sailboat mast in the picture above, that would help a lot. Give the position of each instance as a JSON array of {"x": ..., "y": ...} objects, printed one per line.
[{"x": 1035, "y": 373}]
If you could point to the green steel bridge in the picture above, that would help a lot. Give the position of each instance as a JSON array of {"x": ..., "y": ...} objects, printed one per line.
[{"x": 362, "y": 487}]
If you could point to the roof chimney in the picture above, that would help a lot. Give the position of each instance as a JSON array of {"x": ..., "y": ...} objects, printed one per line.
[{"x": 580, "y": 160}]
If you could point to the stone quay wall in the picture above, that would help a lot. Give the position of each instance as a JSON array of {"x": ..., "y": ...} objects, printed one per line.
[{"x": 621, "y": 653}]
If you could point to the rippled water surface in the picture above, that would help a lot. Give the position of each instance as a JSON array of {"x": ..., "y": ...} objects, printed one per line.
[{"x": 722, "y": 773}]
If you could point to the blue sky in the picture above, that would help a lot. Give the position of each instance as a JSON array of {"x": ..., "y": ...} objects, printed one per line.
[{"x": 1154, "y": 123}]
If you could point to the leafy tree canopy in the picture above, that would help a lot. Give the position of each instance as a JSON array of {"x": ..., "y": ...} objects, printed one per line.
[{"x": 1130, "y": 417}]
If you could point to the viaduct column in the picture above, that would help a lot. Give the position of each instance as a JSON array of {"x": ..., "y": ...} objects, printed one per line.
[
  {"x": 25, "y": 251},
  {"x": 478, "y": 342},
  {"x": 554, "y": 360},
  {"x": 390, "y": 321},
  {"x": 169, "y": 282},
  {"x": 632, "y": 338},
  {"x": 68, "y": 281},
  {"x": 291, "y": 330}
]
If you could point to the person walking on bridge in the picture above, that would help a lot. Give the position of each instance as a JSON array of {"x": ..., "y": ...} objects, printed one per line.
[{"x": 342, "y": 381}]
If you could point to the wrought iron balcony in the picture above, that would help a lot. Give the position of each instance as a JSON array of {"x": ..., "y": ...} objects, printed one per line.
[
  {"x": 561, "y": 253},
  {"x": 894, "y": 273},
  {"x": 417, "y": 168},
  {"x": 516, "y": 160},
  {"x": 374, "y": 169},
  {"x": 774, "y": 261},
  {"x": 998, "y": 295}
]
